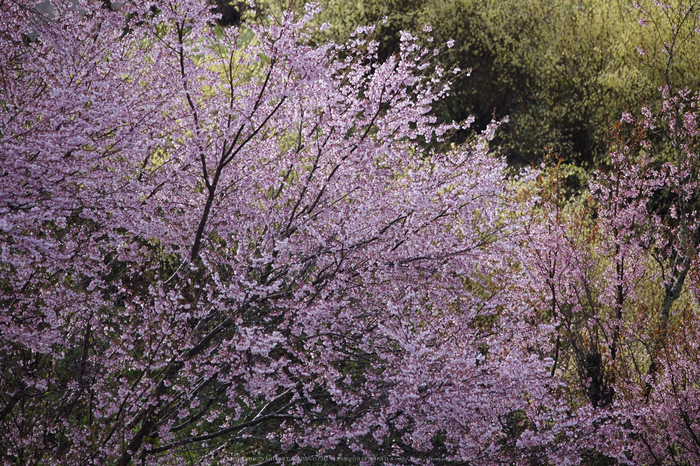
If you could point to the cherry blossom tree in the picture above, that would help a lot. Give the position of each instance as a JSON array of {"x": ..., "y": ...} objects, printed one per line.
[
  {"x": 226, "y": 242},
  {"x": 665, "y": 199},
  {"x": 614, "y": 272},
  {"x": 663, "y": 416}
]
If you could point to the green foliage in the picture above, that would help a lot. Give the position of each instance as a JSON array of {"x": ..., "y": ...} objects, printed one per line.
[{"x": 562, "y": 70}]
